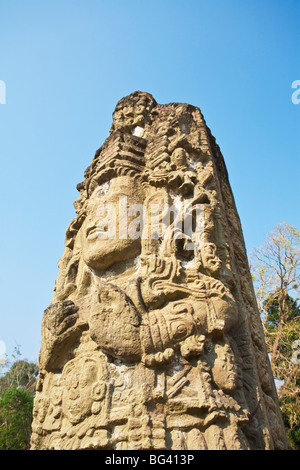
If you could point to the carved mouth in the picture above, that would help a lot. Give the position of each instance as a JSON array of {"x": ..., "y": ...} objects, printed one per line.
[
  {"x": 231, "y": 378},
  {"x": 95, "y": 232},
  {"x": 91, "y": 232},
  {"x": 215, "y": 265}
]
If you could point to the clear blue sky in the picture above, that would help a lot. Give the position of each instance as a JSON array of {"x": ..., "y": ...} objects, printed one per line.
[{"x": 66, "y": 63}]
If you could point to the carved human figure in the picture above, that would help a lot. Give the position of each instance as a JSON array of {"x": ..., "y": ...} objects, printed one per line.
[
  {"x": 181, "y": 171},
  {"x": 146, "y": 344},
  {"x": 211, "y": 262}
]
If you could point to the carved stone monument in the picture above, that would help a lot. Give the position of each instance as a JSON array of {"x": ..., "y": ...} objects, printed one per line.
[{"x": 153, "y": 339}]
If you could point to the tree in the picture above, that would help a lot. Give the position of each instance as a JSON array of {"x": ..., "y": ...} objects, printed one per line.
[
  {"x": 17, "y": 387},
  {"x": 20, "y": 374},
  {"x": 276, "y": 275},
  {"x": 286, "y": 367},
  {"x": 16, "y": 406}
]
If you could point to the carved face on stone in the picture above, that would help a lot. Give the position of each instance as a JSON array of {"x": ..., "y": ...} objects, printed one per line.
[
  {"x": 178, "y": 158},
  {"x": 223, "y": 367},
  {"x": 111, "y": 230},
  {"x": 80, "y": 380},
  {"x": 130, "y": 113},
  {"x": 211, "y": 262}
]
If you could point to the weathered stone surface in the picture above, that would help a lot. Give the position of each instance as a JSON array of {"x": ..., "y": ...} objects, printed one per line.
[{"x": 153, "y": 339}]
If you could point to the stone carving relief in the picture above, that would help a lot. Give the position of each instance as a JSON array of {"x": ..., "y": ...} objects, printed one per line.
[{"x": 151, "y": 340}]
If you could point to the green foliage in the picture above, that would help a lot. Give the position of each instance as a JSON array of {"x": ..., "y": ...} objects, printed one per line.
[
  {"x": 21, "y": 374},
  {"x": 286, "y": 320},
  {"x": 283, "y": 366},
  {"x": 290, "y": 412},
  {"x": 276, "y": 277},
  {"x": 17, "y": 386},
  {"x": 16, "y": 405},
  {"x": 272, "y": 309}
]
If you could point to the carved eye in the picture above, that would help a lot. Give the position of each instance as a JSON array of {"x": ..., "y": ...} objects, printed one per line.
[{"x": 180, "y": 331}]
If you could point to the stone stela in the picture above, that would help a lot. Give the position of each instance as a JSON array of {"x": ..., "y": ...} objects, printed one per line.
[{"x": 153, "y": 339}]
